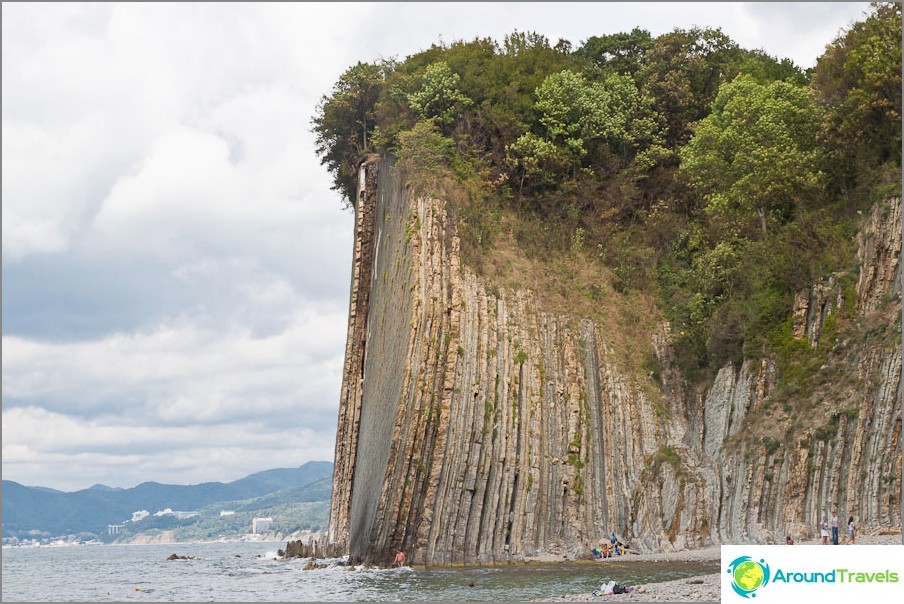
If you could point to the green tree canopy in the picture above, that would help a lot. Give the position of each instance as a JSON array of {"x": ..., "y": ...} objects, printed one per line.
[
  {"x": 858, "y": 82},
  {"x": 766, "y": 68},
  {"x": 344, "y": 121},
  {"x": 682, "y": 71},
  {"x": 617, "y": 53},
  {"x": 577, "y": 116},
  {"x": 439, "y": 96},
  {"x": 754, "y": 157}
]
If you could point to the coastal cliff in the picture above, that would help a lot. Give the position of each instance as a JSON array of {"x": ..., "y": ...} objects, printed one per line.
[{"x": 474, "y": 426}]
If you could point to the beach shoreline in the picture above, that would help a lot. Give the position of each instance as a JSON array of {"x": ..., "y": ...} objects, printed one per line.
[{"x": 701, "y": 588}]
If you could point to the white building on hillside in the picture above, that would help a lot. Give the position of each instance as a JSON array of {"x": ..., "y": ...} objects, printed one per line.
[
  {"x": 140, "y": 515},
  {"x": 260, "y": 525}
]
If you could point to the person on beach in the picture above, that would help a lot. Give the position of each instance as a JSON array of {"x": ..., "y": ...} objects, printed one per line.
[
  {"x": 606, "y": 553},
  {"x": 834, "y": 527},
  {"x": 852, "y": 530},
  {"x": 789, "y": 540},
  {"x": 824, "y": 530},
  {"x": 399, "y": 561}
]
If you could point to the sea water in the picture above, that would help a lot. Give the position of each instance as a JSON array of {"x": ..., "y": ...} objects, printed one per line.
[{"x": 248, "y": 572}]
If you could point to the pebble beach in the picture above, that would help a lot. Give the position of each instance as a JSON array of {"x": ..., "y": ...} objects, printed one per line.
[{"x": 703, "y": 588}]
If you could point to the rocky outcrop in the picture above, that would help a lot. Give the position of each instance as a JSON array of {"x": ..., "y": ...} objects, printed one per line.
[
  {"x": 319, "y": 547},
  {"x": 813, "y": 306},
  {"x": 879, "y": 256},
  {"x": 475, "y": 427}
]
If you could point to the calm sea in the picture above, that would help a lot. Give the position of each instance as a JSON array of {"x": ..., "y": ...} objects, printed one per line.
[{"x": 233, "y": 572}]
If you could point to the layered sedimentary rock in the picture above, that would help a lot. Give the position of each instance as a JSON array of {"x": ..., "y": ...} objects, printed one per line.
[{"x": 474, "y": 427}]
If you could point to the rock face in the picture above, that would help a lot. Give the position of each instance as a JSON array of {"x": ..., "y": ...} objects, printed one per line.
[{"x": 473, "y": 427}]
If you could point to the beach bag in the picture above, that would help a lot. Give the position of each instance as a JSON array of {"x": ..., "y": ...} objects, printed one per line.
[
  {"x": 618, "y": 589},
  {"x": 607, "y": 588}
]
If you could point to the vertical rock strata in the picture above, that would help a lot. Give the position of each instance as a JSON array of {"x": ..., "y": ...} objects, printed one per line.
[
  {"x": 353, "y": 372},
  {"x": 473, "y": 427}
]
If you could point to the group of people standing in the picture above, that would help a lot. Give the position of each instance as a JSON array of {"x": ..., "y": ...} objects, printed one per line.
[{"x": 832, "y": 525}]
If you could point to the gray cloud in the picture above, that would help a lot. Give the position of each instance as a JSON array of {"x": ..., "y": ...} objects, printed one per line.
[{"x": 175, "y": 266}]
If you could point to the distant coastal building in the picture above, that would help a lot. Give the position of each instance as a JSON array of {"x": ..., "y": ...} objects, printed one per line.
[
  {"x": 115, "y": 529},
  {"x": 140, "y": 515},
  {"x": 260, "y": 525},
  {"x": 227, "y": 513},
  {"x": 177, "y": 515}
]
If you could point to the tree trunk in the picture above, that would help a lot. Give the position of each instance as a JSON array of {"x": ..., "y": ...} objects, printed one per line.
[
  {"x": 761, "y": 212},
  {"x": 364, "y": 135}
]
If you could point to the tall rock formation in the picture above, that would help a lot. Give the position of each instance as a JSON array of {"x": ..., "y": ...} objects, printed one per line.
[{"x": 475, "y": 427}]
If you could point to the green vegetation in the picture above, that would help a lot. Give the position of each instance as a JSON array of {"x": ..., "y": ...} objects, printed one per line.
[
  {"x": 665, "y": 455},
  {"x": 635, "y": 177},
  {"x": 771, "y": 445},
  {"x": 575, "y": 460},
  {"x": 754, "y": 157}
]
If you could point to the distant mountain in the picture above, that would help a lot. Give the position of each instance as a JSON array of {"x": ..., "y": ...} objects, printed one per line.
[
  {"x": 91, "y": 510},
  {"x": 270, "y": 481},
  {"x": 99, "y": 487},
  {"x": 315, "y": 491}
]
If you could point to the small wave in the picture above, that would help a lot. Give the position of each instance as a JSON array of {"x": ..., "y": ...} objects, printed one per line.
[
  {"x": 372, "y": 569},
  {"x": 327, "y": 569}
]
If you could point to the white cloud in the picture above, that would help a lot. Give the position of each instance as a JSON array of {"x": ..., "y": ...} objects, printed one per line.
[
  {"x": 798, "y": 30},
  {"x": 83, "y": 106},
  {"x": 41, "y": 447},
  {"x": 136, "y": 407},
  {"x": 180, "y": 373}
]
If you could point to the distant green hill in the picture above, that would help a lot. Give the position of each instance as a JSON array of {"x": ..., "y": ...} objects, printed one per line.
[
  {"x": 37, "y": 509},
  {"x": 292, "y": 509}
]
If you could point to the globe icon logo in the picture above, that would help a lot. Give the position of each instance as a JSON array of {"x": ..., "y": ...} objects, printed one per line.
[{"x": 748, "y": 575}]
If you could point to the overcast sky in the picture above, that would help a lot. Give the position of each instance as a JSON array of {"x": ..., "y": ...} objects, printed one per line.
[{"x": 175, "y": 266}]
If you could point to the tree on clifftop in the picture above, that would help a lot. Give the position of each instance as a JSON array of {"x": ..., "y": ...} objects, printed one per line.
[
  {"x": 439, "y": 97},
  {"x": 617, "y": 53},
  {"x": 682, "y": 71},
  {"x": 581, "y": 119},
  {"x": 754, "y": 157},
  {"x": 344, "y": 121}
]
